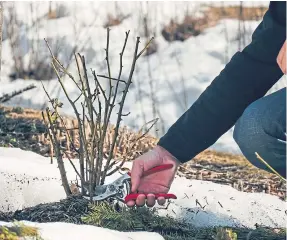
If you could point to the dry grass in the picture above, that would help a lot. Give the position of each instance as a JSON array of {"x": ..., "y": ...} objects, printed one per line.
[
  {"x": 193, "y": 26},
  {"x": 232, "y": 12},
  {"x": 125, "y": 140},
  {"x": 115, "y": 20}
]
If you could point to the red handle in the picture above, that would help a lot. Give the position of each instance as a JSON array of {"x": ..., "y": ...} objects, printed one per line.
[
  {"x": 133, "y": 196},
  {"x": 156, "y": 169}
]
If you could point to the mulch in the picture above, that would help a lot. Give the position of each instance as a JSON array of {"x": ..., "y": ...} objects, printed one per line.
[{"x": 68, "y": 210}]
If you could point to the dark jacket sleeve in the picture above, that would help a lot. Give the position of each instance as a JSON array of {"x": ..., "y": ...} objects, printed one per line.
[{"x": 247, "y": 77}]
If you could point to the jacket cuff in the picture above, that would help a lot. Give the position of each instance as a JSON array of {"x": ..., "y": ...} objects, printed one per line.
[{"x": 176, "y": 146}]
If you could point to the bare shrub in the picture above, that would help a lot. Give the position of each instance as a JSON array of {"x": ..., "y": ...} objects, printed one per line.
[{"x": 93, "y": 120}]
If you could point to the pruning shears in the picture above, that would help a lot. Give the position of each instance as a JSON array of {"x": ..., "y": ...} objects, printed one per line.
[{"x": 120, "y": 189}]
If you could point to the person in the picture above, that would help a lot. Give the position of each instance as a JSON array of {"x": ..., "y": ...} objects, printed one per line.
[{"x": 237, "y": 96}]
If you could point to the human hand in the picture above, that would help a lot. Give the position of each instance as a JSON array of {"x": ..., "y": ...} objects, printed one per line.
[
  {"x": 281, "y": 59},
  {"x": 151, "y": 184}
]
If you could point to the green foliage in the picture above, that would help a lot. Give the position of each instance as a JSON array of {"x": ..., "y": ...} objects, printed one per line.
[
  {"x": 146, "y": 219},
  {"x": 225, "y": 234},
  {"x": 136, "y": 219}
]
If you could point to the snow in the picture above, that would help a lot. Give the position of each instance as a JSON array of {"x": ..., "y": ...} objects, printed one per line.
[
  {"x": 60, "y": 231},
  {"x": 200, "y": 58},
  {"x": 223, "y": 205}
]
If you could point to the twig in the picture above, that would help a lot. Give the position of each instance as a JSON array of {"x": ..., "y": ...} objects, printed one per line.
[
  {"x": 74, "y": 167},
  {"x": 108, "y": 63},
  {"x": 119, "y": 118},
  {"x": 82, "y": 142},
  {"x": 272, "y": 169},
  {"x": 198, "y": 203},
  {"x": 53, "y": 138},
  {"x": 116, "y": 79},
  {"x": 8, "y": 97},
  {"x": 220, "y": 204},
  {"x": 145, "y": 48},
  {"x": 60, "y": 117}
]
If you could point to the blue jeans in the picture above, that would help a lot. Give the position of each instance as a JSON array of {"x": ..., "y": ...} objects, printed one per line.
[{"x": 262, "y": 129}]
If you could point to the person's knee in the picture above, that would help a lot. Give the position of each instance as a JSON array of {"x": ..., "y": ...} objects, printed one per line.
[
  {"x": 248, "y": 131},
  {"x": 257, "y": 131}
]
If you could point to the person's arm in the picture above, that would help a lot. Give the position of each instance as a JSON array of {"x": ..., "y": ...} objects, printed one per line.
[{"x": 247, "y": 77}]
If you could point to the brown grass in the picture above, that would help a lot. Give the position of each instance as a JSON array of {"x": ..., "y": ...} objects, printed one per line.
[
  {"x": 114, "y": 20},
  {"x": 193, "y": 26},
  {"x": 232, "y": 12}
]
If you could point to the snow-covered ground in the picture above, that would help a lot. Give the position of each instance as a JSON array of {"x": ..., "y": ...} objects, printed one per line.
[
  {"x": 27, "y": 179},
  {"x": 60, "y": 231},
  {"x": 197, "y": 61}
]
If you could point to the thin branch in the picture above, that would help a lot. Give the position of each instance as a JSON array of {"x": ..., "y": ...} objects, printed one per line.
[
  {"x": 121, "y": 108},
  {"x": 62, "y": 120},
  {"x": 82, "y": 145},
  {"x": 7, "y": 97},
  {"x": 61, "y": 65},
  {"x": 145, "y": 48},
  {"x": 74, "y": 167},
  {"x": 58, "y": 154},
  {"x": 272, "y": 169},
  {"x": 116, "y": 79},
  {"x": 115, "y": 95},
  {"x": 108, "y": 63},
  {"x": 99, "y": 85}
]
